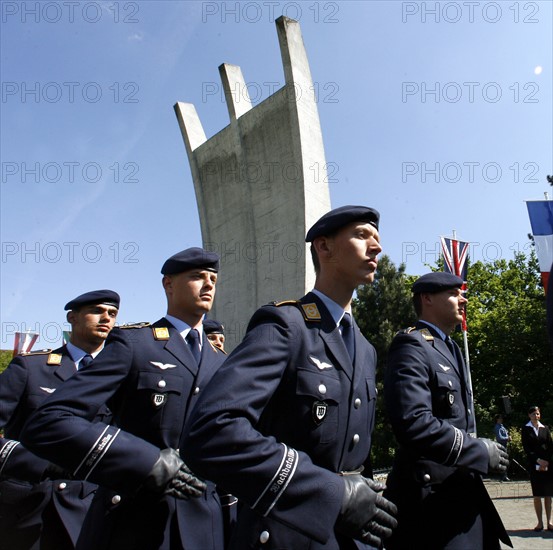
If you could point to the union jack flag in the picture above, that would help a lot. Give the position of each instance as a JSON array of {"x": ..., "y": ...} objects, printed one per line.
[{"x": 455, "y": 255}]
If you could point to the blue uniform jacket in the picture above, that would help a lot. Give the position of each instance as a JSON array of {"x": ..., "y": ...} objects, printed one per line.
[
  {"x": 151, "y": 382},
  {"x": 280, "y": 419},
  {"x": 34, "y": 509},
  {"x": 435, "y": 480}
]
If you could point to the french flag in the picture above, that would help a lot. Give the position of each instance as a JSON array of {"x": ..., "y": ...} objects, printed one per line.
[{"x": 541, "y": 220}]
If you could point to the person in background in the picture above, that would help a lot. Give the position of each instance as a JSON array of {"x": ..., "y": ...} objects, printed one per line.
[
  {"x": 215, "y": 332},
  {"x": 502, "y": 437},
  {"x": 436, "y": 478},
  {"x": 538, "y": 446},
  {"x": 40, "y": 505}
]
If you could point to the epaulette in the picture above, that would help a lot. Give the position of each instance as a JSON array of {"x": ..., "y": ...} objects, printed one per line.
[
  {"x": 36, "y": 352},
  {"x": 425, "y": 333},
  {"x": 135, "y": 325},
  {"x": 310, "y": 311},
  {"x": 285, "y": 303}
]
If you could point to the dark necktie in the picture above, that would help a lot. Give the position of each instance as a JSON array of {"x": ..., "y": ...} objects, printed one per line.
[
  {"x": 347, "y": 335},
  {"x": 193, "y": 339},
  {"x": 451, "y": 346},
  {"x": 86, "y": 360}
]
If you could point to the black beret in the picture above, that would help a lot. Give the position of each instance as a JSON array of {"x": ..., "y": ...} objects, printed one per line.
[
  {"x": 436, "y": 282},
  {"x": 107, "y": 297},
  {"x": 211, "y": 326},
  {"x": 339, "y": 217},
  {"x": 191, "y": 258}
]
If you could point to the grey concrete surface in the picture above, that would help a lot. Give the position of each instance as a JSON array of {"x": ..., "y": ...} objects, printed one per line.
[
  {"x": 513, "y": 500},
  {"x": 260, "y": 183}
]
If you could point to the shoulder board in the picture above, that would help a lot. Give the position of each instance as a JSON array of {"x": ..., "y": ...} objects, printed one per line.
[
  {"x": 54, "y": 359},
  {"x": 310, "y": 311},
  {"x": 36, "y": 352},
  {"x": 285, "y": 303},
  {"x": 425, "y": 333},
  {"x": 135, "y": 325},
  {"x": 161, "y": 333}
]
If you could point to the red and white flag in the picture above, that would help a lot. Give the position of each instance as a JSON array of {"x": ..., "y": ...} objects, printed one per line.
[
  {"x": 24, "y": 341},
  {"x": 541, "y": 220}
]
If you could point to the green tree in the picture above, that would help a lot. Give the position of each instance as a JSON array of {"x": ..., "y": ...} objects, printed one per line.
[
  {"x": 508, "y": 345},
  {"x": 381, "y": 309},
  {"x": 5, "y": 358}
]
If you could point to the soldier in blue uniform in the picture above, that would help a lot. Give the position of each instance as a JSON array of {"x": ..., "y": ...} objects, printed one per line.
[
  {"x": 40, "y": 507},
  {"x": 215, "y": 332},
  {"x": 436, "y": 477},
  {"x": 285, "y": 424},
  {"x": 151, "y": 376}
]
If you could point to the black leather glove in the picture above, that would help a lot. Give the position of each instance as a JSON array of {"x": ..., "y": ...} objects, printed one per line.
[
  {"x": 365, "y": 515},
  {"x": 498, "y": 459},
  {"x": 171, "y": 476}
]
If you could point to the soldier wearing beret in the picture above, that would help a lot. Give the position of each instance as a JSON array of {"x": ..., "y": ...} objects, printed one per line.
[
  {"x": 285, "y": 424},
  {"x": 40, "y": 506},
  {"x": 151, "y": 376},
  {"x": 436, "y": 477},
  {"x": 215, "y": 332}
]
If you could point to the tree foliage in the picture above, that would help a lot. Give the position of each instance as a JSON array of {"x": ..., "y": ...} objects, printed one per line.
[
  {"x": 5, "y": 358},
  {"x": 508, "y": 344}
]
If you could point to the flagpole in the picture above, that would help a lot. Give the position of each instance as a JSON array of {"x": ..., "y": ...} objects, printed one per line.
[{"x": 454, "y": 265}]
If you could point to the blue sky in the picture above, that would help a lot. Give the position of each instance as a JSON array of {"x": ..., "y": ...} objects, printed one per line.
[{"x": 438, "y": 114}]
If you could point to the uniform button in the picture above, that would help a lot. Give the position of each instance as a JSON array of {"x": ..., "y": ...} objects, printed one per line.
[
  {"x": 161, "y": 384},
  {"x": 356, "y": 439},
  {"x": 264, "y": 537},
  {"x": 196, "y": 390},
  {"x": 426, "y": 477},
  {"x": 62, "y": 486},
  {"x": 450, "y": 384},
  {"x": 357, "y": 403},
  {"x": 470, "y": 411},
  {"x": 322, "y": 389},
  {"x": 116, "y": 499}
]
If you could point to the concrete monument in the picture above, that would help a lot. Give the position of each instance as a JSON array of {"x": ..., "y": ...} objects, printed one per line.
[{"x": 260, "y": 183}]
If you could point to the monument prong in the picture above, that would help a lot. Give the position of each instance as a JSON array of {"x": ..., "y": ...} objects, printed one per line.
[
  {"x": 236, "y": 91},
  {"x": 190, "y": 126},
  {"x": 292, "y": 51},
  {"x": 260, "y": 183}
]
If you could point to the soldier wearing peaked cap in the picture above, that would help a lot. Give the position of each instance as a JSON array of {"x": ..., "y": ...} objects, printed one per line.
[
  {"x": 436, "y": 476},
  {"x": 151, "y": 376},
  {"x": 40, "y": 505},
  {"x": 285, "y": 424}
]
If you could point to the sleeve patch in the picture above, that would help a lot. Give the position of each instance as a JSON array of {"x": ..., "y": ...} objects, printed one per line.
[
  {"x": 278, "y": 483},
  {"x": 96, "y": 452},
  {"x": 456, "y": 447},
  {"x": 5, "y": 453}
]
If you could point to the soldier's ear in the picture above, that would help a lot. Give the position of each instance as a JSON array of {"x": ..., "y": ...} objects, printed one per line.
[
  {"x": 70, "y": 317},
  {"x": 167, "y": 282},
  {"x": 323, "y": 247}
]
